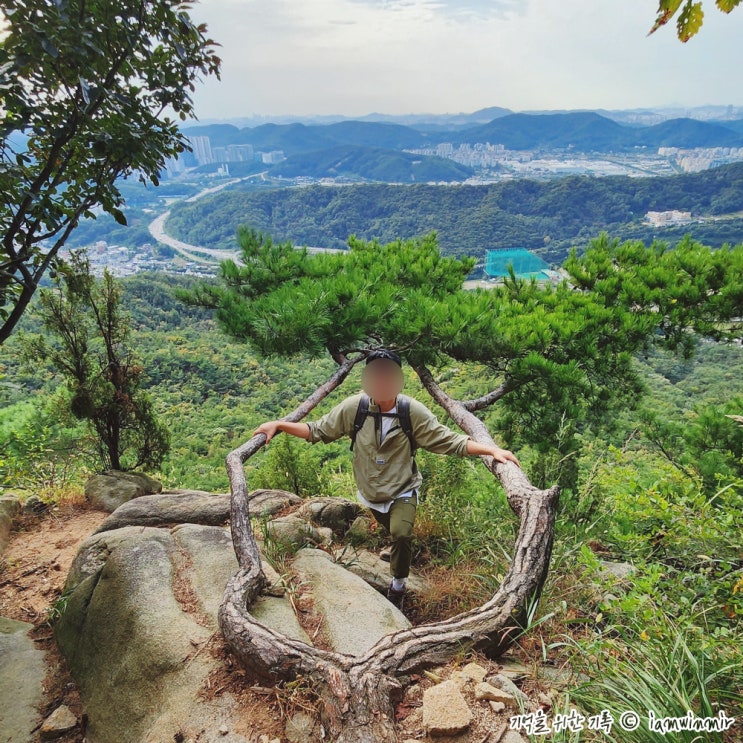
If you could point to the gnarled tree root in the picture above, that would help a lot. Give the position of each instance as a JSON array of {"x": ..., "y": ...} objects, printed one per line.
[{"x": 359, "y": 693}]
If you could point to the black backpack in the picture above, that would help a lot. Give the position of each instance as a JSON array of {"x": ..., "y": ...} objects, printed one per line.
[{"x": 402, "y": 414}]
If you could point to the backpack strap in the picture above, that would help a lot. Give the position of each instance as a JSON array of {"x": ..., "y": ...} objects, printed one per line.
[
  {"x": 403, "y": 413},
  {"x": 358, "y": 422}
]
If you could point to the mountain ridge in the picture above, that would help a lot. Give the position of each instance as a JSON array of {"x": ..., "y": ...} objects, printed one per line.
[{"x": 582, "y": 131}]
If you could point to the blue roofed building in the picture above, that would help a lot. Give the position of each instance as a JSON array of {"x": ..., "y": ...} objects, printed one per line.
[{"x": 526, "y": 265}]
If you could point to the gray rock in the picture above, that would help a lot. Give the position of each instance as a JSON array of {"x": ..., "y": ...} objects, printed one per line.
[
  {"x": 445, "y": 711},
  {"x": 182, "y": 507},
  {"x": 503, "y": 682},
  {"x": 33, "y": 505},
  {"x": 512, "y": 736},
  {"x": 491, "y": 693},
  {"x": 9, "y": 507},
  {"x": 61, "y": 721},
  {"x": 355, "y": 615},
  {"x": 513, "y": 669},
  {"x": 109, "y": 490},
  {"x": 300, "y": 728},
  {"x": 278, "y": 614},
  {"x": 372, "y": 569},
  {"x": 22, "y": 671},
  {"x": 619, "y": 570},
  {"x": 292, "y": 531},
  {"x": 143, "y": 603},
  {"x": 335, "y": 513},
  {"x": 359, "y": 531},
  {"x": 95, "y": 550},
  {"x": 268, "y": 502}
]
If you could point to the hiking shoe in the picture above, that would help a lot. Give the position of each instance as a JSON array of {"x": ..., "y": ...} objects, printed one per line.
[
  {"x": 396, "y": 598},
  {"x": 385, "y": 553}
]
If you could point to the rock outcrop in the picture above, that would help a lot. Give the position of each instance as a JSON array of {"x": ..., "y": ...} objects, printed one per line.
[
  {"x": 21, "y": 675},
  {"x": 355, "y": 616},
  {"x": 143, "y": 596},
  {"x": 109, "y": 490}
]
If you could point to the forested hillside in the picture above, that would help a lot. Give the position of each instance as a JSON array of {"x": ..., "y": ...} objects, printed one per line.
[
  {"x": 371, "y": 163},
  {"x": 659, "y": 488},
  {"x": 552, "y": 216}
]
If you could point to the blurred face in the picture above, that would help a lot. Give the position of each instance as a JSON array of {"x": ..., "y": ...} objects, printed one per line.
[{"x": 382, "y": 380}]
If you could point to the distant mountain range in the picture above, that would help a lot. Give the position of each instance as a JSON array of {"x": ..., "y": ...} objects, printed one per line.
[
  {"x": 373, "y": 150},
  {"x": 590, "y": 132},
  {"x": 584, "y": 131},
  {"x": 428, "y": 121}
]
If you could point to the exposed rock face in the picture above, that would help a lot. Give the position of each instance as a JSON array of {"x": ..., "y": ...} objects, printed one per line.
[
  {"x": 356, "y": 616},
  {"x": 336, "y": 513},
  {"x": 268, "y": 502},
  {"x": 109, "y": 490},
  {"x": 61, "y": 721},
  {"x": 142, "y": 606},
  {"x": 21, "y": 674},
  {"x": 176, "y": 507},
  {"x": 372, "y": 569},
  {"x": 143, "y": 603}
]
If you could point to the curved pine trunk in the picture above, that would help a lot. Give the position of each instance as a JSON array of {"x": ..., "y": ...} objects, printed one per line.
[{"x": 359, "y": 693}]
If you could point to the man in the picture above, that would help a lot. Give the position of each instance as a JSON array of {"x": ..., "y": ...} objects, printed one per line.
[{"x": 384, "y": 465}]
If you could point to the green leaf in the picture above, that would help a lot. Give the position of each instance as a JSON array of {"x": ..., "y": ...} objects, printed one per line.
[
  {"x": 690, "y": 20},
  {"x": 727, "y": 5},
  {"x": 118, "y": 215},
  {"x": 666, "y": 10}
]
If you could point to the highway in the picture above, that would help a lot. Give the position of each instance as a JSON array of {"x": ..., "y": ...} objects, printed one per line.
[{"x": 198, "y": 253}]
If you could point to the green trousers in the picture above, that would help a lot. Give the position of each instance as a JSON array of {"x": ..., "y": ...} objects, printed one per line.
[{"x": 398, "y": 521}]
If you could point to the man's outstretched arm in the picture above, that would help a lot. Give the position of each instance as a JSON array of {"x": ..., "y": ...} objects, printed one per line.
[
  {"x": 271, "y": 428},
  {"x": 500, "y": 455}
]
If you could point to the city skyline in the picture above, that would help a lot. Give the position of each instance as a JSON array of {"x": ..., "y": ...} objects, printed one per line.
[{"x": 357, "y": 57}]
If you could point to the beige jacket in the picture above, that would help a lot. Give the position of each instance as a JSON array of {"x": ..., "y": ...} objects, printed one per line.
[{"x": 383, "y": 471}]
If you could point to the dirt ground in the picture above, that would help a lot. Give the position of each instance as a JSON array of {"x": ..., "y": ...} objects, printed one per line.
[{"x": 33, "y": 571}]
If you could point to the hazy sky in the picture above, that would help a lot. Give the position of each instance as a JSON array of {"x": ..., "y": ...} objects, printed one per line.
[{"x": 355, "y": 57}]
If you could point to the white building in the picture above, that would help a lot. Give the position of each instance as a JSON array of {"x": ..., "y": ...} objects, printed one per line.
[
  {"x": 668, "y": 219},
  {"x": 202, "y": 150}
]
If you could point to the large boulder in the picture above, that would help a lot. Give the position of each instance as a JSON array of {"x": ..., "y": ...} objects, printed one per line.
[
  {"x": 373, "y": 569},
  {"x": 22, "y": 672},
  {"x": 109, "y": 490},
  {"x": 142, "y": 605},
  {"x": 173, "y": 507},
  {"x": 335, "y": 513},
  {"x": 9, "y": 507},
  {"x": 264, "y": 502},
  {"x": 355, "y": 615},
  {"x": 292, "y": 531}
]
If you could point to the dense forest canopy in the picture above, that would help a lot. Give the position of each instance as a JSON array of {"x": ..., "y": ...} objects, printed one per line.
[{"x": 550, "y": 216}]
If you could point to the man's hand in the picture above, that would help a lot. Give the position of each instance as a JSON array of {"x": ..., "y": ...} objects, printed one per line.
[
  {"x": 500, "y": 455},
  {"x": 270, "y": 429},
  {"x": 503, "y": 456}
]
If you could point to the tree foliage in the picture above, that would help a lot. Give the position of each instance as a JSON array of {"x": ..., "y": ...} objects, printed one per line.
[
  {"x": 90, "y": 347},
  {"x": 85, "y": 90},
  {"x": 689, "y": 15},
  {"x": 557, "y": 356}
]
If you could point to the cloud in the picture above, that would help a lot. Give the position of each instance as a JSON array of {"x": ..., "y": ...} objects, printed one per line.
[
  {"x": 398, "y": 56},
  {"x": 458, "y": 9}
]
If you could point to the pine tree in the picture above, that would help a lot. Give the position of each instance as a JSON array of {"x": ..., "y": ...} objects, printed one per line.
[{"x": 552, "y": 353}]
